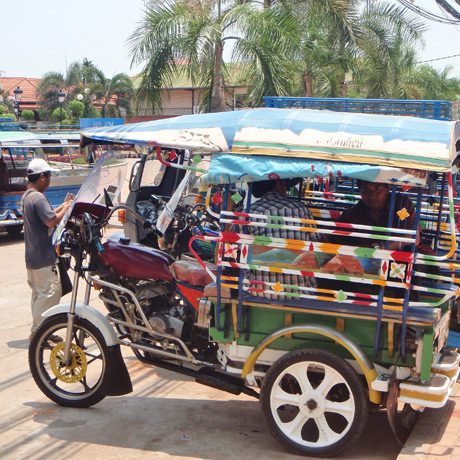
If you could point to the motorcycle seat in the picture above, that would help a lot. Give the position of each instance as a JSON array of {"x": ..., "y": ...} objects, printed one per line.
[{"x": 191, "y": 272}]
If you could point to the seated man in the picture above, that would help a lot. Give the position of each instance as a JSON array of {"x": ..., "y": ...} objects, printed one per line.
[
  {"x": 373, "y": 208},
  {"x": 273, "y": 201}
]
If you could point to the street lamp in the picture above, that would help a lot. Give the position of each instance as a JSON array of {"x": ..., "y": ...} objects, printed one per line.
[
  {"x": 17, "y": 99},
  {"x": 61, "y": 97},
  {"x": 87, "y": 98}
]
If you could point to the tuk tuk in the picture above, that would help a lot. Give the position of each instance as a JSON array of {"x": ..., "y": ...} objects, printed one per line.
[
  {"x": 17, "y": 149},
  {"x": 370, "y": 327}
]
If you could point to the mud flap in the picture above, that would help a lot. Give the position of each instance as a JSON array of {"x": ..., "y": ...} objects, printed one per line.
[
  {"x": 401, "y": 421},
  {"x": 116, "y": 377}
]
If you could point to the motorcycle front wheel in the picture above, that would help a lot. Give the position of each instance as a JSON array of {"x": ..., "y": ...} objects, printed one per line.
[{"x": 77, "y": 383}]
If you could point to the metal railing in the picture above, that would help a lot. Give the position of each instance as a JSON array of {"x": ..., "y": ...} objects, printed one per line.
[{"x": 437, "y": 110}]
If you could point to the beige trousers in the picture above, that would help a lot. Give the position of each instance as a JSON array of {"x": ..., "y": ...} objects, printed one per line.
[{"x": 46, "y": 291}]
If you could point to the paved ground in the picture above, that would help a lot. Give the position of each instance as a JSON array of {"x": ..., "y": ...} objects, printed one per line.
[
  {"x": 166, "y": 417},
  {"x": 437, "y": 434}
]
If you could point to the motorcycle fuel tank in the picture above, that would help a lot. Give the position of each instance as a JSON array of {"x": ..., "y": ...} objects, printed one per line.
[{"x": 136, "y": 261}]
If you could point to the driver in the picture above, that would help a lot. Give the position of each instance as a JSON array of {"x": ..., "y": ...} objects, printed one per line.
[{"x": 39, "y": 222}]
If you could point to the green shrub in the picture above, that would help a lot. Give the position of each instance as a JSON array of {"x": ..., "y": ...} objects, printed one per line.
[
  {"x": 28, "y": 115},
  {"x": 76, "y": 109},
  {"x": 9, "y": 115},
  {"x": 67, "y": 122},
  {"x": 56, "y": 115}
]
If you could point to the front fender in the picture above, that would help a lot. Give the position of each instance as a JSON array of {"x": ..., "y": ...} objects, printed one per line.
[{"x": 92, "y": 315}]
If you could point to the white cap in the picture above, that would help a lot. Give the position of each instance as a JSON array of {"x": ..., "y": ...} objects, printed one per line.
[{"x": 38, "y": 166}]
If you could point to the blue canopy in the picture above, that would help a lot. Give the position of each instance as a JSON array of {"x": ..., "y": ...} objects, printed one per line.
[{"x": 300, "y": 133}]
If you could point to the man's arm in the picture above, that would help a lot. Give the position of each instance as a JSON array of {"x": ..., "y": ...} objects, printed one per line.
[{"x": 59, "y": 214}]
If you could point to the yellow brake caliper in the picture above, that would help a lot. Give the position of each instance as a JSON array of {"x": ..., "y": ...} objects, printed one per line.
[{"x": 75, "y": 371}]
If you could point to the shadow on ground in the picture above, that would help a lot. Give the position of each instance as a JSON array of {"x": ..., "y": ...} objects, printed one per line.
[{"x": 202, "y": 429}]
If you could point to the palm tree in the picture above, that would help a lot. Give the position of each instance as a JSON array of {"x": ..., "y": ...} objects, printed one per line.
[
  {"x": 435, "y": 84},
  {"x": 48, "y": 88},
  {"x": 386, "y": 55},
  {"x": 321, "y": 44},
  {"x": 84, "y": 73},
  {"x": 178, "y": 36},
  {"x": 120, "y": 89},
  {"x": 82, "y": 78}
]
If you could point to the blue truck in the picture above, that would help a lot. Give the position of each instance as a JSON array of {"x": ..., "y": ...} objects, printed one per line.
[{"x": 436, "y": 110}]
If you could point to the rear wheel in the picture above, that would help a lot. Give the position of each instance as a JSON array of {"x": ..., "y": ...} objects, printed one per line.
[
  {"x": 314, "y": 402},
  {"x": 77, "y": 383},
  {"x": 14, "y": 230}
]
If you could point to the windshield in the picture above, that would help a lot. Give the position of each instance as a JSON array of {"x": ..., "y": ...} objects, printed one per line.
[{"x": 109, "y": 173}]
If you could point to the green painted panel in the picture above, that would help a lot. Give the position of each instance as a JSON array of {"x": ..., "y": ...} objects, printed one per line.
[{"x": 263, "y": 322}]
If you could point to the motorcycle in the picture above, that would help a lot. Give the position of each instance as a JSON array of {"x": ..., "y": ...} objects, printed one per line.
[{"x": 153, "y": 303}]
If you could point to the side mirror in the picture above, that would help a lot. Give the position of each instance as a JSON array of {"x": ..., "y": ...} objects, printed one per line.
[
  {"x": 107, "y": 199},
  {"x": 137, "y": 171}
]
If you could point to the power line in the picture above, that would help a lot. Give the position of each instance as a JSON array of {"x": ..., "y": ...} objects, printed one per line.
[
  {"x": 449, "y": 8},
  {"x": 427, "y": 14},
  {"x": 439, "y": 59}
]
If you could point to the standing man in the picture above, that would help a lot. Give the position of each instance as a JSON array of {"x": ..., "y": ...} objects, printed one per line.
[{"x": 39, "y": 222}]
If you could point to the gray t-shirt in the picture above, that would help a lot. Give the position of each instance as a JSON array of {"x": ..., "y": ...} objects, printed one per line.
[{"x": 36, "y": 211}]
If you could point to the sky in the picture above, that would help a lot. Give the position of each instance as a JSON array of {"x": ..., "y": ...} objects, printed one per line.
[{"x": 39, "y": 36}]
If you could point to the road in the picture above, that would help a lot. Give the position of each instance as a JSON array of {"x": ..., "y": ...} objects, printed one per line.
[{"x": 167, "y": 416}]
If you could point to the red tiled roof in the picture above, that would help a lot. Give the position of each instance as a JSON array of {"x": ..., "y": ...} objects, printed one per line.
[{"x": 28, "y": 86}]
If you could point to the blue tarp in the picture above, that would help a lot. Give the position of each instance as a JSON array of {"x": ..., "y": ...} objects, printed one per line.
[{"x": 229, "y": 169}]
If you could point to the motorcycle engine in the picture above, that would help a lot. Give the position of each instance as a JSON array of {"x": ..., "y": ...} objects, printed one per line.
[{"x": 158, "y": 302}]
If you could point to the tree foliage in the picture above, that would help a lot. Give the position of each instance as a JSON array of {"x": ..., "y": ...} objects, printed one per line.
[
  {"x": 328, "y": 48},
  {"x": 86, "y": 80},
  {"x": 188, "y": 37}
]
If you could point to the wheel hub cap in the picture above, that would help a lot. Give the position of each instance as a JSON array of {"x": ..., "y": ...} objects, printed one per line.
[{"x": 311, "y": 404}]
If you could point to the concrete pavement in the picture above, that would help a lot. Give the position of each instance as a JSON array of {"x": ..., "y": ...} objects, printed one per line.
[{"x": 437, "y": 433}]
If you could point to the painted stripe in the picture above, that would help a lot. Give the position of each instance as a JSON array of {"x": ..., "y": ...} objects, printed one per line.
[{"x": 389, "y": 158}]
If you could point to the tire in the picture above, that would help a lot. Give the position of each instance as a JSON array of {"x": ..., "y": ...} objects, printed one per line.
[
  {"x": 14, "y": 230},
  {"x": 297, "y": 392},
  {"x": 76, "y": 385}
]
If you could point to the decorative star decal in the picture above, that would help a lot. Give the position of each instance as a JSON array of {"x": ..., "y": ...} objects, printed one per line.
[
  {"x": 236, "y": 197},
  {"x": 397, "y": 270},
  {"x": 216, "y": 198},
  {"x": 340, "y": 296},
  {"x": 403, "y": 214},
  {"x": 172, "y": 155},
  {"x": 278, "y": 287},
  {"x": 231, "y": 251},
  {"x": 196, "y": 159}
]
